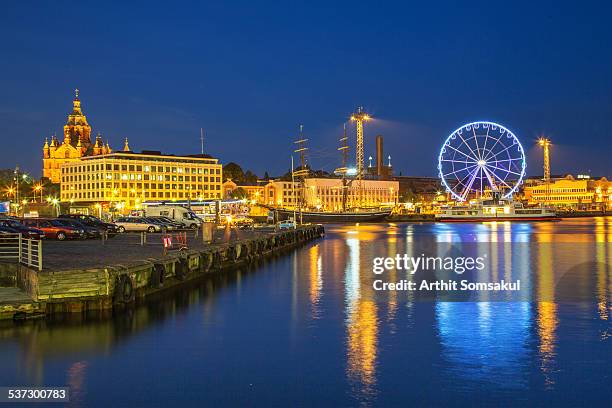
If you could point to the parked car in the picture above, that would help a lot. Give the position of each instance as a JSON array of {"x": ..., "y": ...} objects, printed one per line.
[
  {"x": 136, "y": 224},
  {"x": 176, "y": 225},
  {"x": 92, "y": 221},
  {"x": 54, "y": 229},
  {"x": 90, "y": 232},
  {"x": 25, "y": 231},
  {"x": 164, "y": 224}
]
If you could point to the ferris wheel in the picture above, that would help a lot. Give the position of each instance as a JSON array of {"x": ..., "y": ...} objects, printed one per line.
[{"x": 481, "y": 157}]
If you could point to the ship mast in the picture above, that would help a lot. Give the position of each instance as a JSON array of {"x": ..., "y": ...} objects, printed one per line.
[
  {"x": 344, "y": 149},
  {"x": 303, "y": 171}
]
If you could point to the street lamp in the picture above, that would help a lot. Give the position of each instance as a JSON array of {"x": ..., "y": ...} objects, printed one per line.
[
  {"x": 55, "y": 203},
  {"x": 38, "y": 188}
]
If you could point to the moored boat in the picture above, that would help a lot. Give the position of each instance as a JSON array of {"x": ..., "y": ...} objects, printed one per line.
[
  {"x": 503, "y": 210},
  {"x": 334, "y": 217}
]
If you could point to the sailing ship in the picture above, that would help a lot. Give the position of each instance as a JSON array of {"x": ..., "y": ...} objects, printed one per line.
[{"x": 347, "y": 214}]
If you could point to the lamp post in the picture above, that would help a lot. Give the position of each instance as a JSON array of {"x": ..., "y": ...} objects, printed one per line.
[
  {"x": 55, "y": 203},
  {"x": 38, "y": 188}
]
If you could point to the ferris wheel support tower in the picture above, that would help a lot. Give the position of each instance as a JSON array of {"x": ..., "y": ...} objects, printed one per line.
[{"x": 359, "y": 117}]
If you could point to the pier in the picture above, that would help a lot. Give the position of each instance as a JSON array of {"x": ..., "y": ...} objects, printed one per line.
[{"x": 85, "y": 276}]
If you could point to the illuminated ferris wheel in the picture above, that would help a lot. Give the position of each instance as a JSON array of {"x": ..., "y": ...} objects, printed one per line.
[{"x": 481, "y": 157}]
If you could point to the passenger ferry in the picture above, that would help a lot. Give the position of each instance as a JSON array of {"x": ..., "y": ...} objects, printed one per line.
[{"x": 492, "y": 210}]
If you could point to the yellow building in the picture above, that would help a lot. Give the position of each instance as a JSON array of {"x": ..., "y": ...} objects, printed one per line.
[
  {"x": 254, "y": 193},
  {"x": 75, "y": 144},
  {"x": 582, "y": 193},
  {"x": 123, "y": 180},
  {"x": 326, "y": 193},
  {"x": 321, "y": 193}
]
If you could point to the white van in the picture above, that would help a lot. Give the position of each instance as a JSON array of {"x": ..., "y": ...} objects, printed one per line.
[{"x": 176, "y": 213}]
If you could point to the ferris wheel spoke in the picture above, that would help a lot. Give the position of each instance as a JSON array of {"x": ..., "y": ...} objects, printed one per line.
[
  {"x": 468, "y": 187},
  {"x": 459, "y": 170},
  {"x": 476, "y": 157},
  {"x": 461, "y": 183},
  {"x": 510, "y": 166},
  {"x": 490, "y": 178},
  {"x": 458, "y": 161},
  {"x": 484, "y": 146},
  {"x": 502, "y": 169},
  {"x": 463, "y": 153},
  {"x": 491, "y": 149},
  {"x": 505, "y": 160},
  {"x": 493, "y": 177},
  {"x": 500, "y": 152},
  {"x": 476, "y": 141}
]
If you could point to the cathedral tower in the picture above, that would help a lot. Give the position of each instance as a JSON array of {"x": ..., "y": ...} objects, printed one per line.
[{"x": 76, "y": 126}]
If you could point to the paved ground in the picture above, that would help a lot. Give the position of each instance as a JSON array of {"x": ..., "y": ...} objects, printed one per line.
[{"x": 123, "y": 248}]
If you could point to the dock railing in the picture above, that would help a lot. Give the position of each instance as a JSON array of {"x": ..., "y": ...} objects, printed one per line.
[{"x": 26, "y": 251}]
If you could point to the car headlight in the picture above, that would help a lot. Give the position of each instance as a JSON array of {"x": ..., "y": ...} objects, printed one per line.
[{"x": 81, "y": 231}]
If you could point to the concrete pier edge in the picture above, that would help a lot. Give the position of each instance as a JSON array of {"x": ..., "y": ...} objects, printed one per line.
[{"x": 117, "y": 285}]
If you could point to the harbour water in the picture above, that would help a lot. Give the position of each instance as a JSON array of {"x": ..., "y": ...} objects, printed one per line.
[{"x": 306, "y": 329}]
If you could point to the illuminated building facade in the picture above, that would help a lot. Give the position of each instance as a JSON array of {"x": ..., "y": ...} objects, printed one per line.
[
  {"x": 255, "y": 193},
  {"x": 320, "y": 193},
  {"x": 123, "y": 180},
  {"x": 326, "y": 193},
  {"x": 575, "y": 193},
  {"x": 75, "y": 144},
  {"x": 280, "y": 193},
  {"x": 276, "y": 193}
]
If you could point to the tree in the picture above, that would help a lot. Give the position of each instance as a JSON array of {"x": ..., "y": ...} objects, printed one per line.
[
  {"x": 233, "y": 171},
  {"x": 239, "y": 193},
  {"x": 249, "y": 178}
]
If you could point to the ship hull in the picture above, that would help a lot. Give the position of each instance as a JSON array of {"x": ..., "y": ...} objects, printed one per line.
[
  {"x": 334, "y": 217},
  {"x": 498, "y": 219}
]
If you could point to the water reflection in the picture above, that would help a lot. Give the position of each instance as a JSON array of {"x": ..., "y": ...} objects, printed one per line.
[
  {"x": 99, "y": 333},
  {"x": 482, "y": 342},
  {"x": 547, "y": 313},
  {"x": 485, "y": 341},
  {"x": 361, "y": 325},
  {"x": 316, "y": 279},
  {"x": 313, "y": 318}
]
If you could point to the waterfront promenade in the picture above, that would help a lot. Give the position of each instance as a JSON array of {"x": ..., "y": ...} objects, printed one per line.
[
  {"x": 85, "y": 276},
  {"x": 127, "y": 247}
]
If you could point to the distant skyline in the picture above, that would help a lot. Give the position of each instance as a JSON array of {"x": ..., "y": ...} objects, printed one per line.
[{"x": 250, "y": 73}]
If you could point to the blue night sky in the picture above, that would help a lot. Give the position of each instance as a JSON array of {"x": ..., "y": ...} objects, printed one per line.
[{"x": 250, "y": 72}]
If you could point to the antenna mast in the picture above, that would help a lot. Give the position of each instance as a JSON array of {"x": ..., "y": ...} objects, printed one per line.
[{"x": 202, "y": 139}]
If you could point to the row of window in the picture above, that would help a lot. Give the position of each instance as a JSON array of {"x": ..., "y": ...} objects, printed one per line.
[
  {"x": 140, "y": 186},
  {"x": 100, "y": 196},
  {"x": 140, "y": 168},
  {"x": 565, "y": 198},
  {"x": 559, "y": 190},
  {"x": 133, "y": 177}
]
